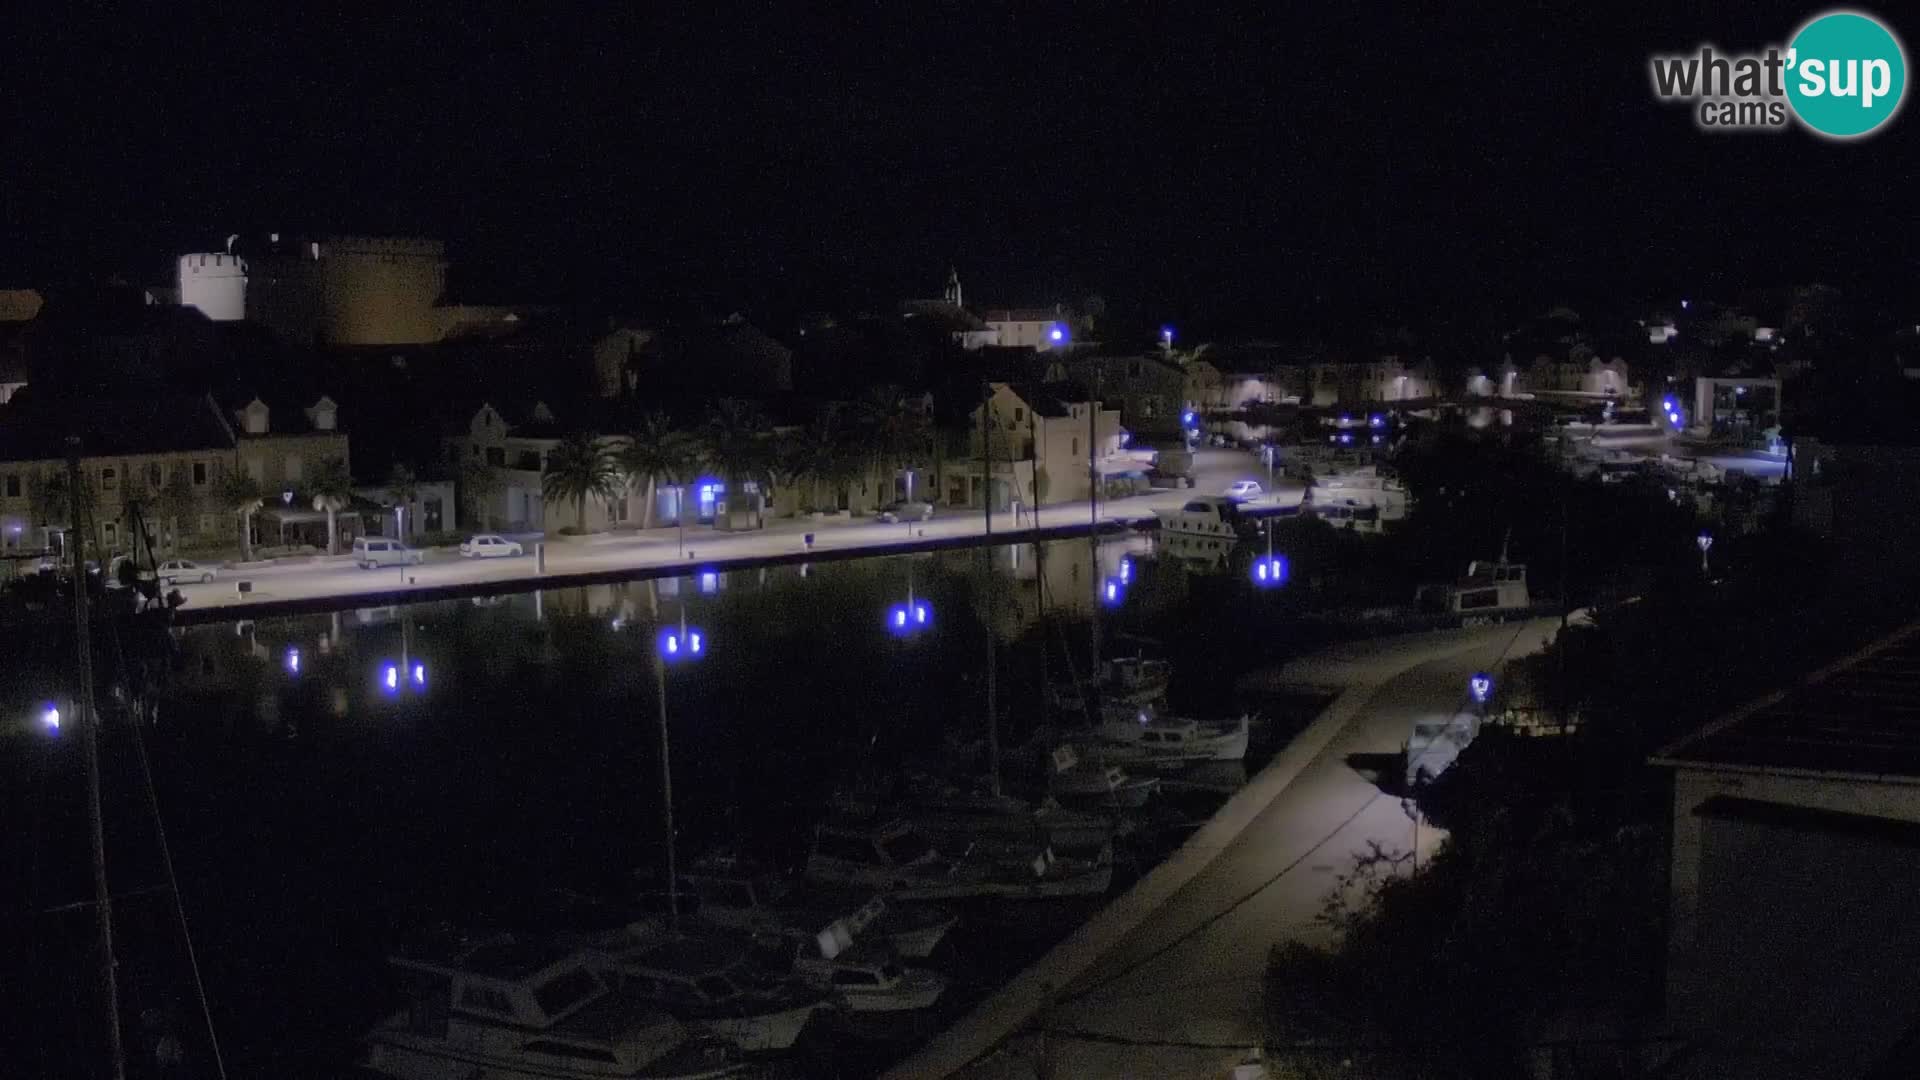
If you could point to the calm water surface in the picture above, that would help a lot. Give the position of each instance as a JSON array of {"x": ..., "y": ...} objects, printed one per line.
[{"x": 332, "y": 784}]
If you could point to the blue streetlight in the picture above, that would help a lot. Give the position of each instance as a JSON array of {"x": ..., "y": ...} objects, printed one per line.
[
  {"x": 905, "y": 620},
  {"x": 395, "y": 677},
  {"x": 293, "y": 661},
  {"x": 1269, "y": 571},
  {"x": 1113, "y": 592},
  {"x": 1126, "y": 571},
  {"x": 50, "y": 717},
  {"x": 1481, "y": 687},
  {"x": 1376, "y": 420},
  {"x": 1057, "y": 334},
  {"x": 682, "y": 643},
  {"x": 1166, "y": 336}
]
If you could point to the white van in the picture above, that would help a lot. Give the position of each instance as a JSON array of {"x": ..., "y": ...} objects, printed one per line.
[{"x": 372, "y": 551}]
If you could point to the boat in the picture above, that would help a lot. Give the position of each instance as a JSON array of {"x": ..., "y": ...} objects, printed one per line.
[
  {"x": 902, "y": 861},
  {"x": 1097, "y": 783},
  {"x": 1135, "y": 680},
  {"x": 955, "y": 817},
  {"x": 865, "y": 976},
  {"x": 513, "y": 1010},
  {"x": 866, "y": 979},
  {"x": 1167, "y": 743},
  {"x": 742, "y": 895},
  {"x": 1125, "y": 684},
  {"x": 1489, "y": 588},
  {"x": 1214, "y": 516},
  {"x": 708, "y": 981}
]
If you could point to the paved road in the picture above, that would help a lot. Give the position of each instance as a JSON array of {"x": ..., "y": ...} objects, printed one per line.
[
  {"x": 636, "y": 550},
  {"x": 1188, "y": 969}
]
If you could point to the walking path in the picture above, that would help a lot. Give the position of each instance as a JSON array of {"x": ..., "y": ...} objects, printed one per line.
[
  {"x": 1167, "y": 980},
  {"x": 699, "y": 548}
]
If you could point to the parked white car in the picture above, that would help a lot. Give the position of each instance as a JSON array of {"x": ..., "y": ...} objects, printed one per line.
[
  {"x": 489, "y": 546},
  {"x": 177, "y": 571},
  {"x": 372, "y": 551},
  {"x": 1243, "y": 489},
  {"x": 894, "y": 513}
]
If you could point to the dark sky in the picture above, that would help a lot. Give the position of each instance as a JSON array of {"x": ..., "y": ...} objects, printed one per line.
[{"x": 1229, "y": 167}]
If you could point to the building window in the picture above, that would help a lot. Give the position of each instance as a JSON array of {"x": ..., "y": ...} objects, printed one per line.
[
  {"x": 1019, "y": 414},
  {"x": 13, "y": 485},
  {"x": 476, "y": 451},
  {"x": 527, "y": 460},
  {"x": 109, "y": 479},
  {"x": 109, "y": 532},
  {"x": 199, "y": 474},
  {"x": 1076, "y": 446}
]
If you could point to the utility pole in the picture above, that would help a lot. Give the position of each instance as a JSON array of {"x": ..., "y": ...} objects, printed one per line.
[
  {"x": 90, "y": 740},
  {"x": 986, "y": 555}
]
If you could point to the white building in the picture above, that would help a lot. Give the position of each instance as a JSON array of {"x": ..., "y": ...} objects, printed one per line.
[
  {"x": 1795, "y": 861},
  {"x": 216, "y": 284},
  {"x": 1038, "y": 329}
]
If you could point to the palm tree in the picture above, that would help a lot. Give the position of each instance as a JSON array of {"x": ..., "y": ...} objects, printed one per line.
[
  {"x": 332, "y": 488},
  {"x": 657, "y": 452},
  {"x": 240, "y": 495},
  {"x": 736, "y": 444},
  {"x": 403, "y": 487},
  {"x": 579, "y": 469},
  {"x": 819, "y": 454},
  {"x": 895, "y": 434},
  {"x": 478, "y": 485},
  {"x": 177, "y": 500}
]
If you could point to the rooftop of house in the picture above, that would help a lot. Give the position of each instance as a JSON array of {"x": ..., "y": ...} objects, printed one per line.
[
  {"x": 36, "y": 429},
  {"x": 997, "y": 315},
  {"x": 1859, "y": 717}
]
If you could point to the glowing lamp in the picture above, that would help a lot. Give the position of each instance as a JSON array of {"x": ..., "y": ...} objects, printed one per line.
[
  {"x": 1481, "y": 687},
  {"x": 419, "y": 674},
  {"x": 1126, "y": 571},
  {"x": 293, "y": 661},
  {"x": 682, "y": 644},
  {"x": 1056, "y": 334},
  {"x": 390, "y": 678},
  {"x": 1269, "y": 571},
  {"x": 50, "y": 717},
  {"x": 1113, "y": 591}
]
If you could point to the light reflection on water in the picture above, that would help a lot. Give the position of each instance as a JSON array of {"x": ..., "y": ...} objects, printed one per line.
[{"x": 334, "y": 780}]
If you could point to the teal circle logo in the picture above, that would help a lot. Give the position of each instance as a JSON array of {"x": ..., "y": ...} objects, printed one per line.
[{"x": 1846, "y": 74}]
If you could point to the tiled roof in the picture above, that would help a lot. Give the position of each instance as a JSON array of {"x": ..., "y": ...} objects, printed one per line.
[
  {"x": 1859, "y": 717},
  {"x": 36, "y": 429}
]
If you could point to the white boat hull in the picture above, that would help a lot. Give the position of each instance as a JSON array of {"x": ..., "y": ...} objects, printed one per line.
[
  {"x": 762, "y": 1032},
  {"x": 919, "y": 990},
  {"x": 404, "y": 1056},
  {"x": 1137, "y": 754}
]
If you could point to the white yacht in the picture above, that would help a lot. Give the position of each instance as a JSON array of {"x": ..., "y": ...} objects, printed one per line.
[
  {"x": 1168, "y": 743},
  {"x": 511, "y": 1010},
  {"x": 708, "y": 982},
  {"x": 1487, "y": 589},
  {"x": 1215, "y": 516},
  {"x": 739, "y": 894},
  {"x": 1096, "y": 783},
  {"x": 902, "y": 861},
  {"x": 864, "y": 976}
]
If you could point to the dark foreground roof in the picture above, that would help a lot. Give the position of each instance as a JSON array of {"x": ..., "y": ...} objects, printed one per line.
[
  {"x": 1858, "y": 717},
  {"x": 36, "y": 429}
]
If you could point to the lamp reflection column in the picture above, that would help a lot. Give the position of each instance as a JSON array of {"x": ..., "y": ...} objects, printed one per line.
[{"x": 684, "y": 644}]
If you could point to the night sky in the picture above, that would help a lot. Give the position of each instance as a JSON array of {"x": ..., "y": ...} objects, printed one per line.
[{"x": 1236, "y": 169}]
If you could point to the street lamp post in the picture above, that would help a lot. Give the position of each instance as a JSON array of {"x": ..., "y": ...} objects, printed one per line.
[
  {"x": 687, "y": 644},
  {"x": 1705, "y": 541}
]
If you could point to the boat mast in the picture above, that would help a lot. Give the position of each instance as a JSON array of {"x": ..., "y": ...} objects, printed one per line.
[
  {"x": 1093, "y": 512},
  {"x": 89, "y": 738},
  {"x": 986, "y": 554}
]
